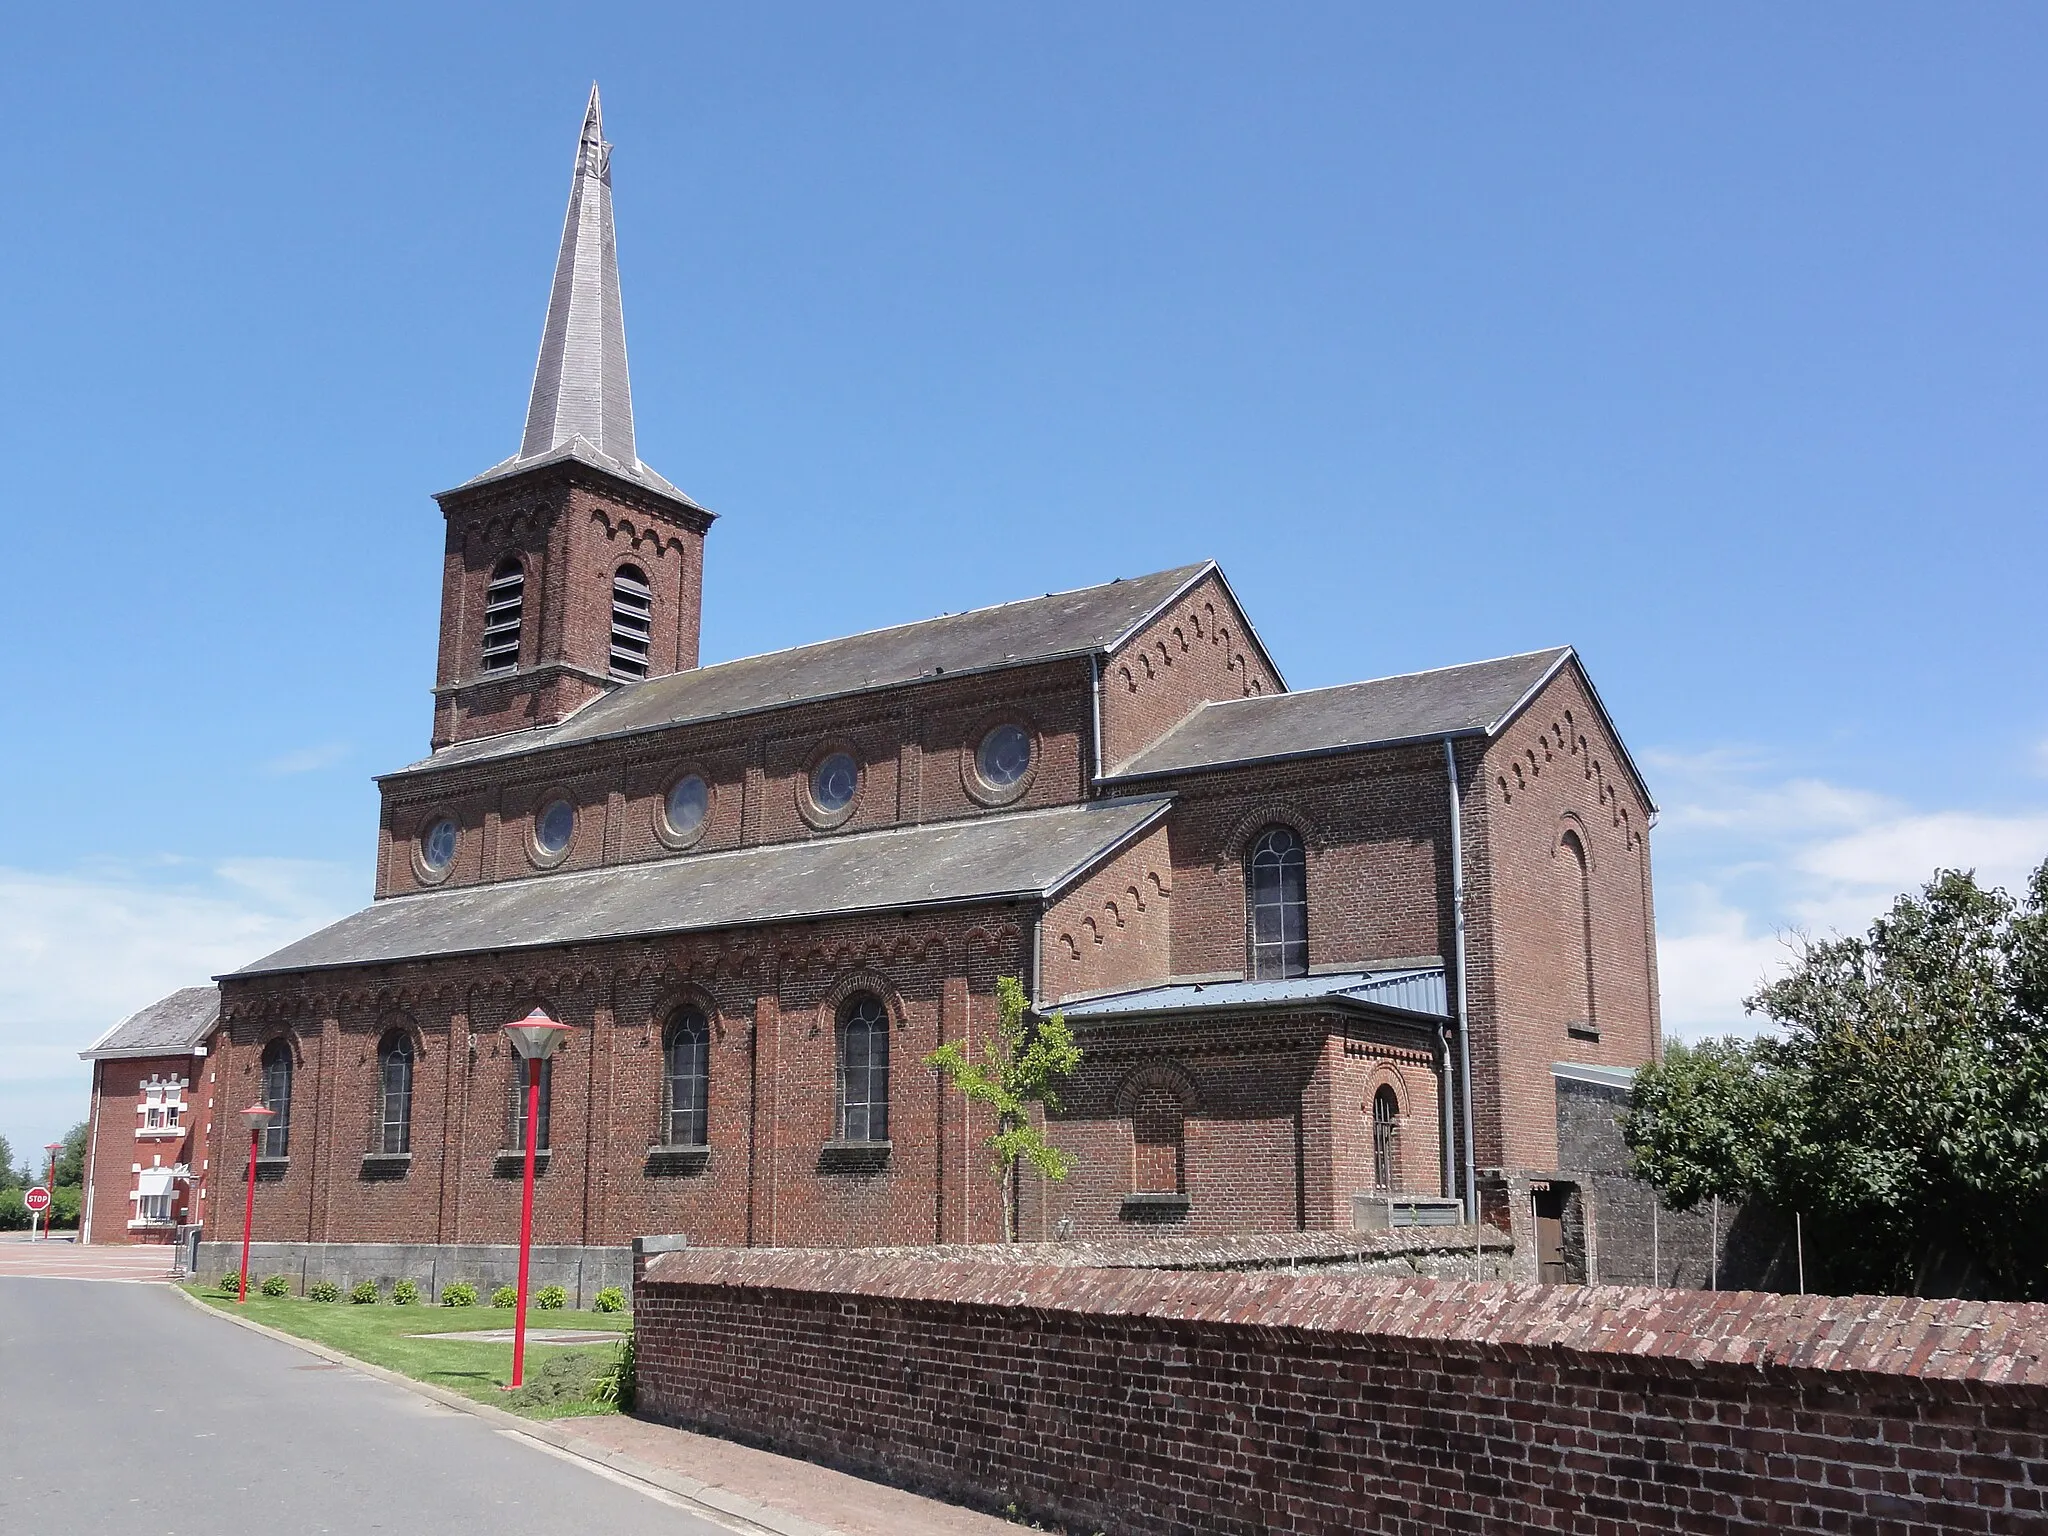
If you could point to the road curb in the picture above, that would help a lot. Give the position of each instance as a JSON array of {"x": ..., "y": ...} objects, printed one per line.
[{"x": 704, "y": 1499}]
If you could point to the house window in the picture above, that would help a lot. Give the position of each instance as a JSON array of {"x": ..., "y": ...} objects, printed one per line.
[
  {"x": 686, "y": 1068},
  {"x": 516, "y": 1116},
  {"x": 154, "y": 1204},
  {"x": 863, "y": 1069},
  {"x": 1277, "y": 879},
  {"x": 504, "y": 606},
  {"x": 394, "y": 1064},
  {"x": 1386, "y": 1112},
  {"x": 275, "y": 1139},
  {"x": 632, "y": 622},
  {"x": 1158, "y": 1130}
]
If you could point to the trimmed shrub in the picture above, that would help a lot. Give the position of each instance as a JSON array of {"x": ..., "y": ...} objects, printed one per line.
[
  {"x": 364, "y": 1293},
  {"x": 231, "y": 1283},
  {"x": 610, "y": 1299},
  {"x": 505, "y": 1296},
  {"x": 277, "y": 1285},
  {"x": 460, "y": 1294},
  {"x": 614, "y": 1384},
  {"x": 404, "y": 1294},
  {"x": 323, "y": 1290},
  {"x": 552, "y": 1298}
]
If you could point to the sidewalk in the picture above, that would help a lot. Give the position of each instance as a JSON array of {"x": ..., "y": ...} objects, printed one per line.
[
  {"x": 817, "y": 1501},
  {"x": 63, "y": 1259},
  {"x": 746, "y": 1490}
]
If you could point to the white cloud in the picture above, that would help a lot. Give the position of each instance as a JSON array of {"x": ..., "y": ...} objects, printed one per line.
[
  {"x": 80, "y": 951},
  {"x": 1744, "y": 862},
  {"x": 306, "y": 759}
]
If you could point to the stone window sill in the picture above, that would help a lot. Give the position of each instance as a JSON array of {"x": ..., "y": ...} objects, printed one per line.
[
  {"x": 1154, "y": 1206},
  {"x": 510, "y": 1162},
  {"x": 386, "y": 1165},
  {"x": 272, "y": 1168},
  {"x": 854, "y": 1156},
  {"x": 678, "y": 1160},
  {"x": 1583, "y": 1031}
]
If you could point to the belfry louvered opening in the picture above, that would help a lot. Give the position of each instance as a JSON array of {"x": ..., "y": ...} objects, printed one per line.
[
  {"x": 504, "y": 607},
  {"x": 632, "y": 622}
]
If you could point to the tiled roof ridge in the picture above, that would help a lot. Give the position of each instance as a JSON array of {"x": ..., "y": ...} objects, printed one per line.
[
  {"x": 2002, "y": 1343},
  {"x": 1559, "y": 651}
]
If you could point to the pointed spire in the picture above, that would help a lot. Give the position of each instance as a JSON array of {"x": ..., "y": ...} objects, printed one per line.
[
  {"x": 580, "y": 387},
  {"x": 582, "y": 402}
]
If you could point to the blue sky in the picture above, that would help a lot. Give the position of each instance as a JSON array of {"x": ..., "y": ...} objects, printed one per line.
[{"x": 1710, "y": 341}]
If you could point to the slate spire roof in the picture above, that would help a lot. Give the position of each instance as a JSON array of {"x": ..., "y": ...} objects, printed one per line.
[{"x": 582, "y": 401}]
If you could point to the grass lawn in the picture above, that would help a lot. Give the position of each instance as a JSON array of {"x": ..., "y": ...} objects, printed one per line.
[{"x": 557, "y": 1376}]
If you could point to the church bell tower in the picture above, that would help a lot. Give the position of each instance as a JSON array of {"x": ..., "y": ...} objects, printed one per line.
[{"x": 571, "y": 568}]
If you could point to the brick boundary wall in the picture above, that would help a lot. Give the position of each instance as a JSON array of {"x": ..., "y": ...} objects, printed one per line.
[{"x": 1137, "y": 1401}]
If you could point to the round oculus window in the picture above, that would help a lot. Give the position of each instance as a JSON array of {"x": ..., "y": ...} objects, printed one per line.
[
  {"x": 437, "y": 846},
  {"x": 833, "y": 782},
  {"x": 684, "y": 810},
  {"x": 1004, "y": 756},
  {"x": 553, "y": 828}
]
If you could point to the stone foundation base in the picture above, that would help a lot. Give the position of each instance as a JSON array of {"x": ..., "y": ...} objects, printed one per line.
[{"x": 582, "y": 1272}]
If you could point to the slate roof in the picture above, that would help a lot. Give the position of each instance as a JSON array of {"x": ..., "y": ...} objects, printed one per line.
[
  {"x": 170, "y": 1026},
  {"x": 1033, "y": 629},
  {"x": 1472, "y": 700},
  {"x": 1415, "y": 990},
  {"x": 1028, "y": 854}
]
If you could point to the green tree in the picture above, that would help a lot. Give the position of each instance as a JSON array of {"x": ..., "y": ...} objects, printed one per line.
[
  {"x": 9, "y": 1179},
  {"x": 71, "y": 1161},
  {"x": 1020, "y": 1066},
  {"x": 1901, "y": 1106}
]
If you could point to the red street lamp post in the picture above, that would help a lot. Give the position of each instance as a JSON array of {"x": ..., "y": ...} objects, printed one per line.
[
  {"x": 255, "y": 1117},
  {"x": 535, "y": 1037}
]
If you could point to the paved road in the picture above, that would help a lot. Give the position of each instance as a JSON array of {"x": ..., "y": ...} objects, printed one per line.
[
  {"x": 61, "y": 1258},
  {"x": 124, "y": 1411}
]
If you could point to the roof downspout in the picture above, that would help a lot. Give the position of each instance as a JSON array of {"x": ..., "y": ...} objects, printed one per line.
[
  {"x": 1038, "y": 957},
  {"x": 92, "y": 1155},
  {"x": 1464, "y": 1017},
  {"x": 1095, "y": 710}
]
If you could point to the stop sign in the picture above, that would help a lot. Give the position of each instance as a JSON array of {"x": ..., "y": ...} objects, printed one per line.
[{"x": 37, "y": 1199}]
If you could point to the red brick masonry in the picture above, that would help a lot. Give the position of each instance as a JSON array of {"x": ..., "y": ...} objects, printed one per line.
[{"x": 1142, "y": 1401}]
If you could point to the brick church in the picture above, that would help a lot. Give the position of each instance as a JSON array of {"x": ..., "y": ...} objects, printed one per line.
[{"x": 1316, "y": 945}]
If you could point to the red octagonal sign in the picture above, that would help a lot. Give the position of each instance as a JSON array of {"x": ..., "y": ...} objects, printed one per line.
[{"x": 37, "y": 1199}]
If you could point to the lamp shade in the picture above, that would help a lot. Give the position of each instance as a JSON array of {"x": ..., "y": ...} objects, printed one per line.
[
  {"x": 256, "y": 1117},
  {"x": 537, "y": 1037}
]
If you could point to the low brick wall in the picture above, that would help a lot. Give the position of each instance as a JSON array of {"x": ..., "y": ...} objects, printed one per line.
[{"x": 1133, "y": 1400}]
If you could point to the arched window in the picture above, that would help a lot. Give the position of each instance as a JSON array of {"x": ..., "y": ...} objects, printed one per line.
[
  {"x": 1579, "y": 903},
  {"x": 632, "y": 622},
  {"x": 1158, "y": 1149},
  {"x": 863, "y": 1069},
  {"x": 504, "y": 606},
  {"x": 1386, "y": 1114},
  {"x": 515, "y": 1120},
  {"x": 276, "y": 1097},
  {"x": 686, "y": 1069},
  {"x": 1276, "y": 876},
  {"x": 394, "y": 1070}
]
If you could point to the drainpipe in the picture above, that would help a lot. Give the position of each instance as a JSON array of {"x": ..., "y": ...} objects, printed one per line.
[
  {"x": 1464, "y": 1017},
  {"x": 1449, "y": 1116},
  {"x": 92, "y": 1151},
  {"x": 1095, "y": 710}
]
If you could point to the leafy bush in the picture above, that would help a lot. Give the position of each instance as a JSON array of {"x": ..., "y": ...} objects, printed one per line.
[
  {"x": 552, "y": 1298},
  {"x": 505, "y": 1296},
  {"x": 364, "y": 1294},
  {"x": 277, "y": 1285},
  {"x": 231, "y": 1282},
  {"x": 13, "y": 1211},
  {"x": 615, "y": 1383},
  {"x": 611, "y": 1299},
  {"x": 460, "y": 1294},
  {"x": 565, "y": 1379},
  {"x": 404, "y": 1294},
  {"x": 323, "y": 1290}
]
